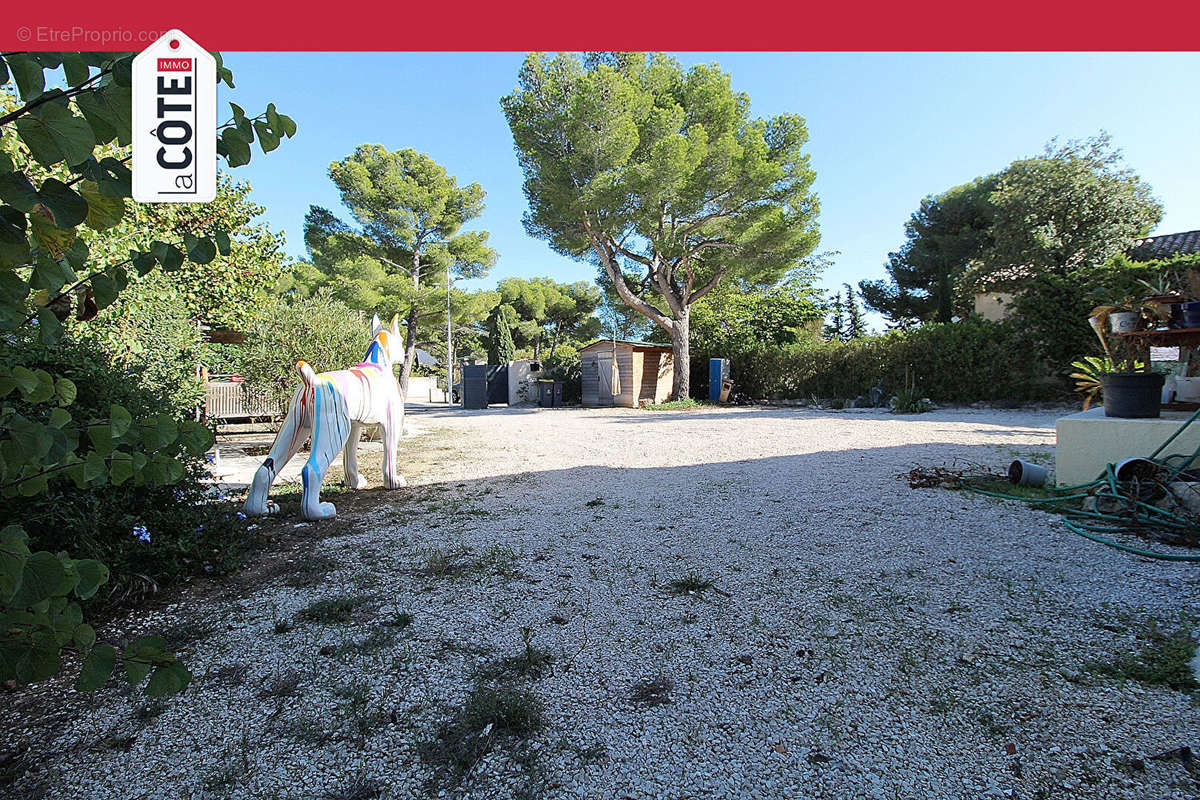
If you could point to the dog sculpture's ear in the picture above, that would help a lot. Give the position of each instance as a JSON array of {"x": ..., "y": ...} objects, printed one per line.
[
  {"x": 375, "y": 326},
  {"x": 396, "y": 325}
]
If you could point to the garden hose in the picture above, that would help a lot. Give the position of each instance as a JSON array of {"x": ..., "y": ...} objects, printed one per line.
[{"x": 1129, "y": 510}]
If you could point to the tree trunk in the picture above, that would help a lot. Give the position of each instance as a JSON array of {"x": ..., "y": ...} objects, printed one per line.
[
  {"x": 410, "y": 324},
  {"x": 681, "y": 352},
  {"x": 410, "y": 349}
]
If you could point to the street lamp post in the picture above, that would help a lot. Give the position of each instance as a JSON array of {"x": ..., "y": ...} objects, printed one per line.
[{"x": 449, "y": 345}]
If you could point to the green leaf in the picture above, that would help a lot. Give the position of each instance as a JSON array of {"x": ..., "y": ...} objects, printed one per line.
[
  {"x": 168, "y": 679},
  {"x": 53, "y": 240},
  {"x": 195, "y": 437},
  {"x": 104, "y": 291},
  {"x": 94, "y": 467},
  {"x": 75, "y": 69},
  {"x": 25, "y": 378},
  {"x": 235, "y": 147},
  {"x": 41, "y": 661},
  {"x": 27, "y": 73},
  {"x": 143, "y": 262},
  {"x": 59, "y": 417},
  {"x": 50, "y": 330},
  {"x": 97, "y": 668},
  {"x": 222, "y": 240},
  {"x": 120, "y": 468},
  {"x": 109, "y": 112},
  {"x": 41, "y": 577},
  {"x": 202, "y": 251},
  {"x": 287, "y": 125},
  {"x": 102, "y": 442},
  {"x": 14, "y": 251},
  {"x": 54, "y": 134},
  {"x": 120, "y": 421},
  {"x": 67, "y": 208},
  {"x": 117, "y": 180},
  {"x": 122, "y": 70},
  {"x": 65, "y": 390},
  {"x": 92, "y": 575},
  {"x": 44, "y": 389},
  {"x": 170, "y": 256},
  {"x": 103, "y": 212},
  {"x": 267, "y": 139},
  {"x": 84, "y": 636},
  {"x": 18, "y": 192},
  {"x": 14, "y": 550}
]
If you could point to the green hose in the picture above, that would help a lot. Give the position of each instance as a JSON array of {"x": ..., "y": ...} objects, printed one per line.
[{"x": 1107, "y": 490}]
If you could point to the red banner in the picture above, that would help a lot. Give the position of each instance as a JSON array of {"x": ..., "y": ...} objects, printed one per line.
[{"x": 614, "y": 24}]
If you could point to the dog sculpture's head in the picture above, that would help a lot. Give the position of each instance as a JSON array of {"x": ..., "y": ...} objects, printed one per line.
[{"x": 386, "y": 345}]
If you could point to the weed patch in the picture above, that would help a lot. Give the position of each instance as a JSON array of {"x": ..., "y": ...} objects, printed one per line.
[
  {"x": 692, "y": 583},
  {"x": 1164, "y": 660},
  {"x": 491, "y": 713},
  {"x": 331, "y": 610},
  {"x": 654, "y": 691}
]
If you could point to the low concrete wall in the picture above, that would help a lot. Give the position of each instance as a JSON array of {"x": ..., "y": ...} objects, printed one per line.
[{"x": 1087, "y": 441}]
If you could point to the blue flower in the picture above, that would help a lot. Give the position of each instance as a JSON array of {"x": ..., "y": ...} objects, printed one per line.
[
  {"x": 240, "y": 515},
  {"x": 140, "y": 533}
]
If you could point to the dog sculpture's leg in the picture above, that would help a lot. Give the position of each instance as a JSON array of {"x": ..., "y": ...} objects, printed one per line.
[
  {"x": 289, "y": 439},
  {"x": 350, "y": 458},
  {"x": 392, "y": 427},
  {"x": 330, "y": 429}
]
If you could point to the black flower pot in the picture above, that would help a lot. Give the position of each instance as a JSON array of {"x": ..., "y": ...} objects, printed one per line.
[{"x": 1132, "y": 395}]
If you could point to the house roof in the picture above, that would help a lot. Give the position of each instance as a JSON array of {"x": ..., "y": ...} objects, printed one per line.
[
  {"x": 1168, "y": 244},
  {"x": 630, "y": 342}
]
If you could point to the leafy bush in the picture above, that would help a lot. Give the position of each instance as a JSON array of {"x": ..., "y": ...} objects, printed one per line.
[
  {"x": 187, "y": 531},
  {"x": 565, "y": 366},
  {"x": 147, "y": 337},
  {"x": 952, "y": 363},
  {"x": 320, "y": 330},
  {"x": 63, "y": 182}
]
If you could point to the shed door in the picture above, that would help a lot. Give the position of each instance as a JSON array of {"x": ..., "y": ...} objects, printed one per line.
[{"x": 604, "y": 365}]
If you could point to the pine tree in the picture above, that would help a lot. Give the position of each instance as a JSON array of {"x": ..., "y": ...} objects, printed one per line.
[
  {"x": 501, "y": 349},
  {"x": 835, "y": 330},
  {"x": 855, "y": 327}
]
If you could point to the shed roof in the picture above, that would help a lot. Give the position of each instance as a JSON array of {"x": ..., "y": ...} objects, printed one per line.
[
  {"x": 1168, "y": 244},
  {"x": 629, "y": 343}
]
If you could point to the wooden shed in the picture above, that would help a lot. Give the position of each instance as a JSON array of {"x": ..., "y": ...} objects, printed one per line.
[{"x": 624, "y": 373}]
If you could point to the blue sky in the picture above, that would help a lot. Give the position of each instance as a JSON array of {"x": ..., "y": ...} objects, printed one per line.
[{"x": 885, "y": 130}]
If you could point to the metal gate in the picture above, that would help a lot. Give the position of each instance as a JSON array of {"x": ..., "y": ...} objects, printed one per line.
[
  {"x": 497, "y": 383},
  {"x": 484, "y": 384}
]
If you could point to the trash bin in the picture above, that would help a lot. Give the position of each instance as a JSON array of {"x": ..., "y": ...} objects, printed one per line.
[
  {"x": 549, "y": 393},
  {"x": 726, "y": 388},
  {"x": 718, "y": 374}
]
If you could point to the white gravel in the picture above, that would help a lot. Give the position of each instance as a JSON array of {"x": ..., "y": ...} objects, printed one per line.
[{"x": 862, "y": 639}]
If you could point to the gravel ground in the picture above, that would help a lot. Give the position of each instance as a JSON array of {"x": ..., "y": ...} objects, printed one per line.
[{"x": 721, "y": 603}]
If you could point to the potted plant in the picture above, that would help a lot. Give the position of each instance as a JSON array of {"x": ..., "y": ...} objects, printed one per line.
[
  {"x": 1129, "y": 392},
  {"x": 1165, "y": 301}
]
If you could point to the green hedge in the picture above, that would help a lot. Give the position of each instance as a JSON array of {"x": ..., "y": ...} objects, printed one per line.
[{"x": 959, "y": 362}]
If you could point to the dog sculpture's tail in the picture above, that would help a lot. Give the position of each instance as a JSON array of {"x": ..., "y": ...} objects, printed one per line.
[{"x": 306, "y": 372}]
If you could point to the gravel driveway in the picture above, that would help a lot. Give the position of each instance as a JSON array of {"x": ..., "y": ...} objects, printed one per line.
[{"x": 720, "y": 603}]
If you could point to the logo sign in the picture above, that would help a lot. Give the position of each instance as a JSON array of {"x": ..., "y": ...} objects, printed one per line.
[{"x": 174, "y": 122}]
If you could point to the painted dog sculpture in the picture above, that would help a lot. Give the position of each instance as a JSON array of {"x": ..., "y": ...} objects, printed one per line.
[{"x": 332, "y": 408}]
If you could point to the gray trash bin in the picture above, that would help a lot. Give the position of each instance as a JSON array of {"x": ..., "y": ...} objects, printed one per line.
[{"x": 549, "y": 393}]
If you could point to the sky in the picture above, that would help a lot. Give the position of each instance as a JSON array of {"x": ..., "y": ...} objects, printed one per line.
[{"x": 885, "y": 130}]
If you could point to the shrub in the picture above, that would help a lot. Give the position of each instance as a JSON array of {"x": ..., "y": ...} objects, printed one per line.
[
  {"x": 147, "y": 337},
  {"x": 951, "y": 363},
  {"x": 319, "y": 329},
  {"x": 188, "y": 532},
  {"x": 566, "y": 367}
]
